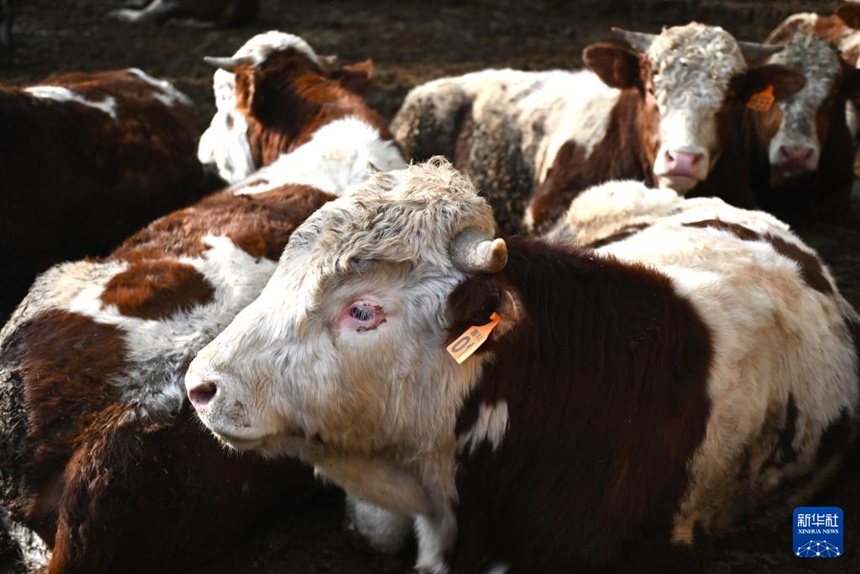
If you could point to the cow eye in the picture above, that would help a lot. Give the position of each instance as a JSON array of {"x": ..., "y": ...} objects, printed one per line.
[{"x": 361, "y": 313}]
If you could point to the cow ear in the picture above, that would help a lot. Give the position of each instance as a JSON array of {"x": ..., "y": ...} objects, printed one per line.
[
  {"x": 617, "y": 66},
  {"x": 474, "y": 301},
  {"x": 849, "y": 13},
  {"x": 785, "y": 81},
  {"x": 355, "y": 77}
]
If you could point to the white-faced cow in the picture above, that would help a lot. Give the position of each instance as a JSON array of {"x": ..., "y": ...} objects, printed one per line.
[
  {"x": 101, "y": 456},
  {"x": 627, "y": 398},
  {"x": 841, "y": 29},
  {"x": 87, "y": 159},
  {"x": 664, "y": 111},
  {"x": 805, "y": 145},
  {"x": 201, "y": 13}
]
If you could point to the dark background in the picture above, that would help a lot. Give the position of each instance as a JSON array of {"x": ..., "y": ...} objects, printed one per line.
[{"x": 411, "y": 42}]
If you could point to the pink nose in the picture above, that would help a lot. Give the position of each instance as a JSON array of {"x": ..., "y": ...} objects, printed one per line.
[
  {"x": 796, "y": 156},
  {"x": 683, "y": 163},
  {"x": 201, "y": 394}
]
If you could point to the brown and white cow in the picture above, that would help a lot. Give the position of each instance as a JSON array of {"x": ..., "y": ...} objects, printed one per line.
[
  {"x": 663, "y": 111},
  {"x": 628, "y": 397},
  {"x": 101, "y": 456},
  {"x": 204, "y": 13},
  {"x": 805, "y": 143},
  {"x": 261, "y": 90},
  {"x": 841, "y": 29},
  {"x": 87, "y": 159}
]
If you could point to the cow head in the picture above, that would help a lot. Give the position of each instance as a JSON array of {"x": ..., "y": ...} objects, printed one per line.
[
  {"x": 344, "y": 350},
  {"x": 259, "y": 107},
  {"x": 692, "y": 82},
  {"x": 795, "y": 129}
]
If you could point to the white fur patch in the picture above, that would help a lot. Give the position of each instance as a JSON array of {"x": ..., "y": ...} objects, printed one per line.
[
  {"x": 225, "y": 141},
  {"x": 166, "y": 93},
  {"x": 491, "y": 426},
  {"x": 262, "y": 45},
  {"x": 61, "y": 94},
  {"x": 547, "y": 108},
  {"x": 336, "y": 158},
  {"x": 35, "y": 554}
]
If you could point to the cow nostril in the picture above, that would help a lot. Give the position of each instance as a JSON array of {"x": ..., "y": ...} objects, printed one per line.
[
  {"x": 796, "y": 154},
  {"x": 696, "y": 158},
  {"x": 202, "y": 394}
]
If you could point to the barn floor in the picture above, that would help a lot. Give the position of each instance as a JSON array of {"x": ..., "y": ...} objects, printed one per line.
[{"x": 411, "y": 42}]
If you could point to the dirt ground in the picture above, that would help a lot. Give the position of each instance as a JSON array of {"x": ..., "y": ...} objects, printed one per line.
[{"x": 411, "y": 42}]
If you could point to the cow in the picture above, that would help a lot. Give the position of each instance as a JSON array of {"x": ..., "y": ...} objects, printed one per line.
[
  {"x": 805, "y": 169},
  {"x": 200, "y": 13},
  {"x": 840, "y": 29},
  {"x": 103, "y": 465},
  {"x": 250, "y": 131},
  {"x": 88, "y": 158},
  {"x": 616, "y": 401},
  {"x": 663, "y": 111}
]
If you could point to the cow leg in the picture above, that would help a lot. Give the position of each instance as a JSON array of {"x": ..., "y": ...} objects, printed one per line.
[
  {"x": 91, "y": 514},
  {"x": 159, "y": 11}
]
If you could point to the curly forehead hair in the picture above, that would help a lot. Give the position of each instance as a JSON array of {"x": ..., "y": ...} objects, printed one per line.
[
  {"x": 405, "y": 215},
  {"x": 695, "y": 59},
  {"x": 818, "y": 61}
]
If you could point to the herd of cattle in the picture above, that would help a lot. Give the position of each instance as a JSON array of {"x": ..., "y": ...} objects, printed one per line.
[{"x": 543, "y": 321}]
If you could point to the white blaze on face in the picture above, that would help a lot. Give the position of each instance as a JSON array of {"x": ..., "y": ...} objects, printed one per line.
[
  {"x": 345, "y": 345},
  {"x": 692, "y": 67},
  {"x": 796, "y": 147},
  {"x": 225, "y": 141}
]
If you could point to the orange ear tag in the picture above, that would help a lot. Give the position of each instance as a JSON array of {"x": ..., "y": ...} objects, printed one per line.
[
  {"x": 471, "y": 339},
  {"x": 762, "y": 101}
]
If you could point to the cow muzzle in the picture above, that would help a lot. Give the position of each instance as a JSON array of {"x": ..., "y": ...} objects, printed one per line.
[{"x": 680, "y": 170}]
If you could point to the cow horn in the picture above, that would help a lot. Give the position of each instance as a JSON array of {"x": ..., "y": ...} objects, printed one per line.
[
  {"x": 229, "y": 64},
  {"x": 754, "y": 52},
  {"x": 638, "y": 40},
  {"x": 473, "y": 251}
]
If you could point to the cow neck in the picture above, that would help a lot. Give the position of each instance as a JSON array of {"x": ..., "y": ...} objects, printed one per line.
[
  {"x": 584, "y": 382},
  {"x": 306, "y": 102}
]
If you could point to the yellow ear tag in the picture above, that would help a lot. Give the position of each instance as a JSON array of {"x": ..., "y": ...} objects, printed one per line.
[
  {"x": 762, "y": 101},
  {"x": 471, "y": 339}
]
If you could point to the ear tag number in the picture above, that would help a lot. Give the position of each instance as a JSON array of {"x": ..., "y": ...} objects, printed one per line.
[
  {"x": 471, "y": 339},
  {"x": 762, "y": 101}
]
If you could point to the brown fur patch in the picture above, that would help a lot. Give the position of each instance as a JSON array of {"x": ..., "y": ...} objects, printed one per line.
[
  {"x": 288, "y": 98},
  {"x": 605, "y": 384},
  {"x": 157, "y": 289},
  {"x": 259, "y": 224},
  {"x": 64, "y": 361},
  {"x": 811, "y": 269}
]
